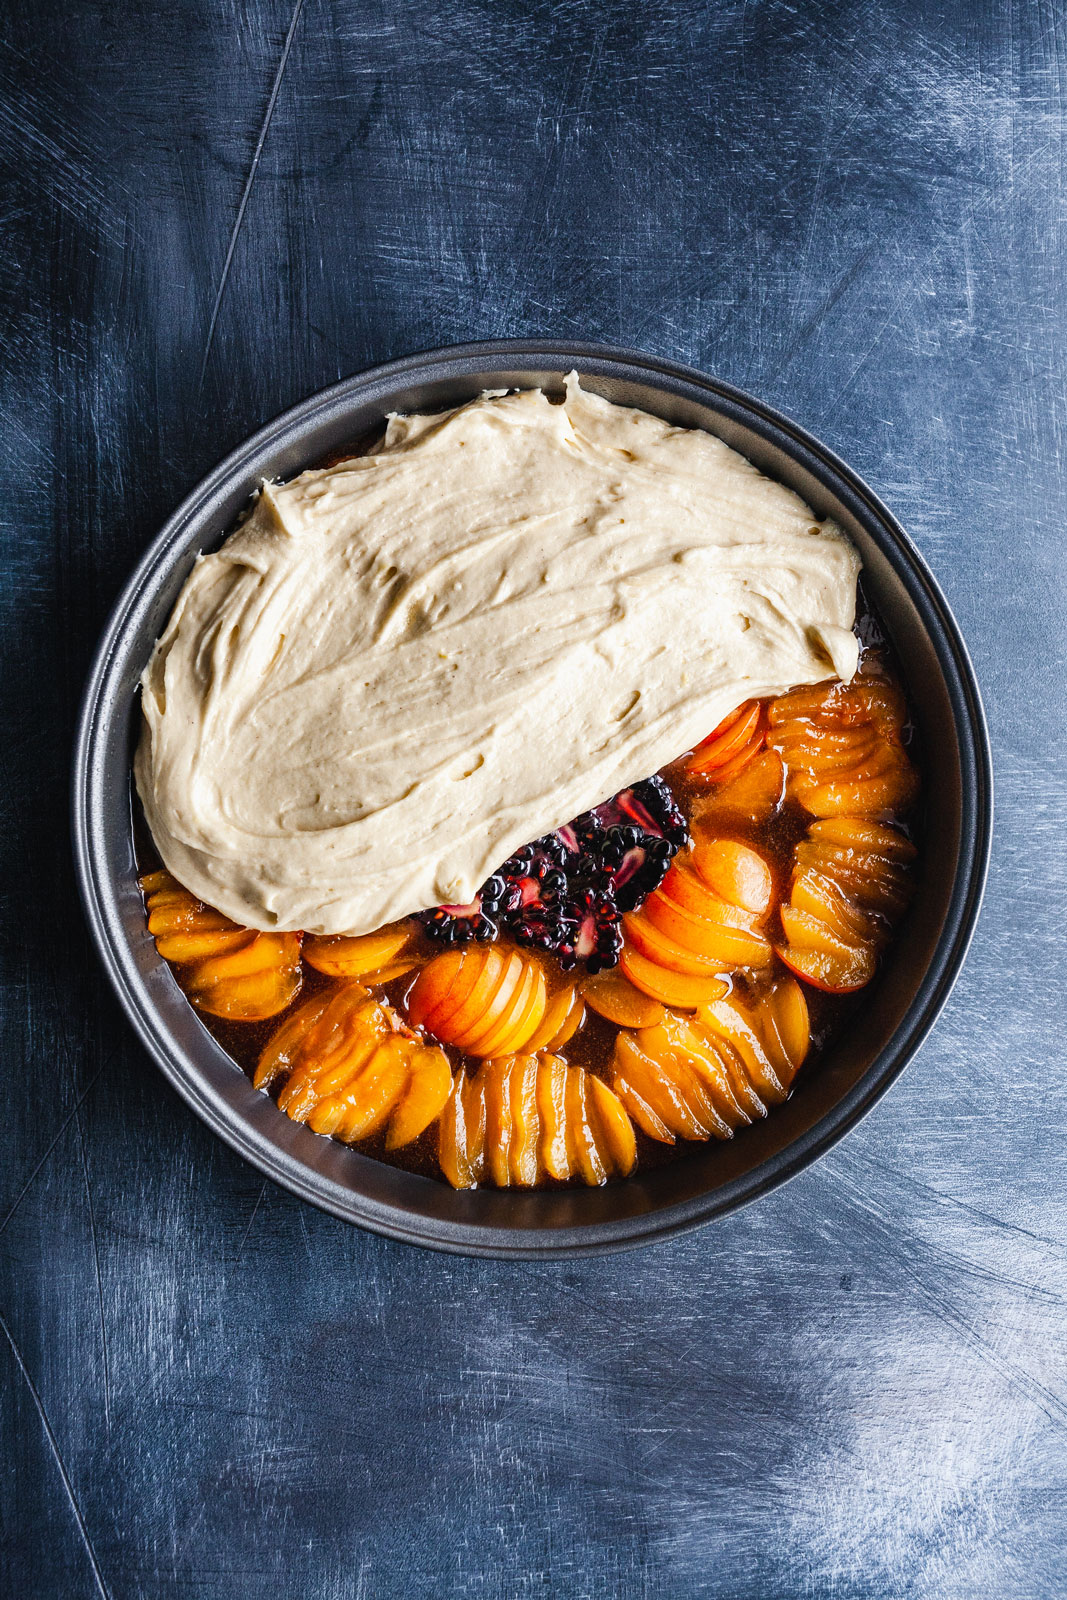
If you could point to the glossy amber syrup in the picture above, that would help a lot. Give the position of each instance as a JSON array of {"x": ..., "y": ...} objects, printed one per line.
[{"x": 593, "y": 1045}]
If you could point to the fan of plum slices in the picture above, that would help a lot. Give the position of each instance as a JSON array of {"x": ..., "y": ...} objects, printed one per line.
[{"x": 653, "y": 973}]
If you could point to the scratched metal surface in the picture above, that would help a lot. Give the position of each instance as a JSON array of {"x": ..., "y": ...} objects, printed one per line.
[{"x": 854, "y": 209}]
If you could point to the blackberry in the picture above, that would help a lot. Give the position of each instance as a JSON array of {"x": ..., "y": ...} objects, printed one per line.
[
  {"x": 655, "y": 797},
  {"x": 618, "y": 841},
  {"x": 642, "y": 868},
  {"x": 651, "y": 807},
  {"x": 595, "y": 932},
  {"x": 567, "y": 891},
  {"x": 543, "y": 928},
  {"x": 532, "y": 879},
  {"x": 552, "y": 846},
  {"x": 491, "y": 894},
  {"x": 459, "y": 924}
]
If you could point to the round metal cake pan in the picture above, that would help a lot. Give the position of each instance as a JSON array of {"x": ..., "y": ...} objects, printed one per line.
[{"x": 897, "y": 1012}]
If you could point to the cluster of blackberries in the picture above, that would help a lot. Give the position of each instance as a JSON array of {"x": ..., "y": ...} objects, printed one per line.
[{"x": 566, "y": 893}]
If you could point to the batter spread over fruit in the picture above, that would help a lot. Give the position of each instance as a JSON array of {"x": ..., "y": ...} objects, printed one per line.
[
  {"x": 402, "y": 668},
  {"x": 567, "y": 990}
]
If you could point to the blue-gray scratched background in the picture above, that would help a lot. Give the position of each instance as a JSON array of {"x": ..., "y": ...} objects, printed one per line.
[{"x": 854, "y": 209}]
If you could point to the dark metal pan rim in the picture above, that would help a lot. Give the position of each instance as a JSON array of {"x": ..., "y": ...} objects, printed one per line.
[{"x": 94, "y": 799}]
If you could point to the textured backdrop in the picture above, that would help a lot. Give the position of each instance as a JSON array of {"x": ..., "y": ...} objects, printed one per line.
[{"x": 855, "y": 1388}]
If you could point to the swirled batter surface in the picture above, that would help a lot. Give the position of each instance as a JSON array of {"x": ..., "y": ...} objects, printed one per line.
[{"x": 401, "y": 668}]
